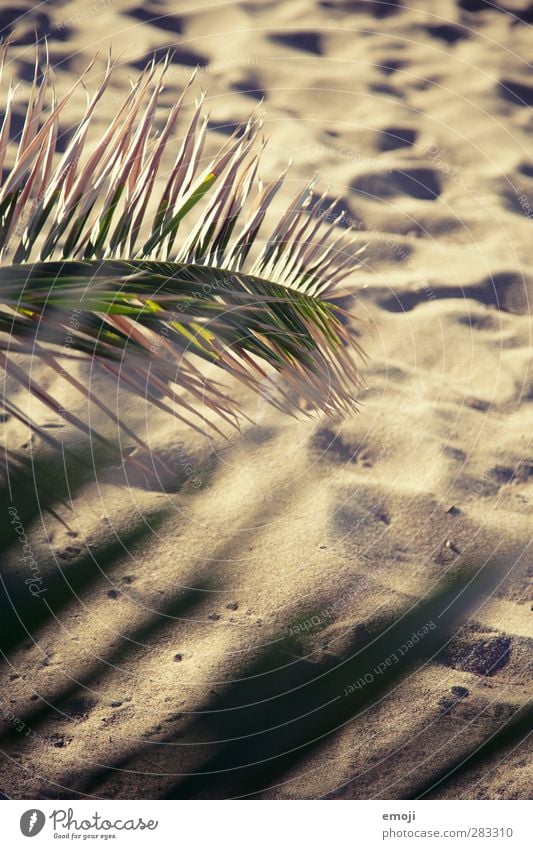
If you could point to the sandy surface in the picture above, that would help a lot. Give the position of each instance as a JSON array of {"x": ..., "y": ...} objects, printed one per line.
[{"x": 303, "y": 540}]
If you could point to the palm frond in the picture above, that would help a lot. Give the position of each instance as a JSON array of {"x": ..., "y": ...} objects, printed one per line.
[{"x": 150, "y": 305}]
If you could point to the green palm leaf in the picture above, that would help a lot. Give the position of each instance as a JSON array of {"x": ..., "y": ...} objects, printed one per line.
[{"x": 150, "y": 305}]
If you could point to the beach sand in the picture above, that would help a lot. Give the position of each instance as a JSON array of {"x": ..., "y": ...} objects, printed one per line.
[{"x": 298, "y": 541}]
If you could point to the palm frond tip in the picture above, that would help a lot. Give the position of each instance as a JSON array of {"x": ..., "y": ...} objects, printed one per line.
[{"x": 77, "y": 240}]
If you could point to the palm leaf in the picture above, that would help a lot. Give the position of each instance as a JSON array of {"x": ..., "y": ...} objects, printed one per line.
[{"x": 149, "y": 304}]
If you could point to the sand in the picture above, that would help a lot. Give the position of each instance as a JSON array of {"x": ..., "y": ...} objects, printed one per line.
[{"x": 303, "y": 537}]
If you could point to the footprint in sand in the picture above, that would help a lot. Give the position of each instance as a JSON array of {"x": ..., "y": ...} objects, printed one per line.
[
  {"x": 388, "y": 67},
  {"x": 309, "y": 42},
  {"x": 516, "y": 15},
  {"x": 170, "y": 23},
  {"x": 251, "y": 87},
  {"x": 482, "y": 657},
  {"x": 26, "y": 24},
  {"x": 180, "y": 56},
  {"x": 449, "y": 33},
  {"x": 392, "y": 138},
  {"x": 507, "y": 291},
  {"x": 376, "y": 8},
  {"x": 516, "y": 91},
  {"x": 333, "y": 447}
]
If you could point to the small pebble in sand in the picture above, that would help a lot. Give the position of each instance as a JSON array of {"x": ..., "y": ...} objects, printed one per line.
[
  {"x": 178, "y": 657},
  {"x": 233, "y": 605}
]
